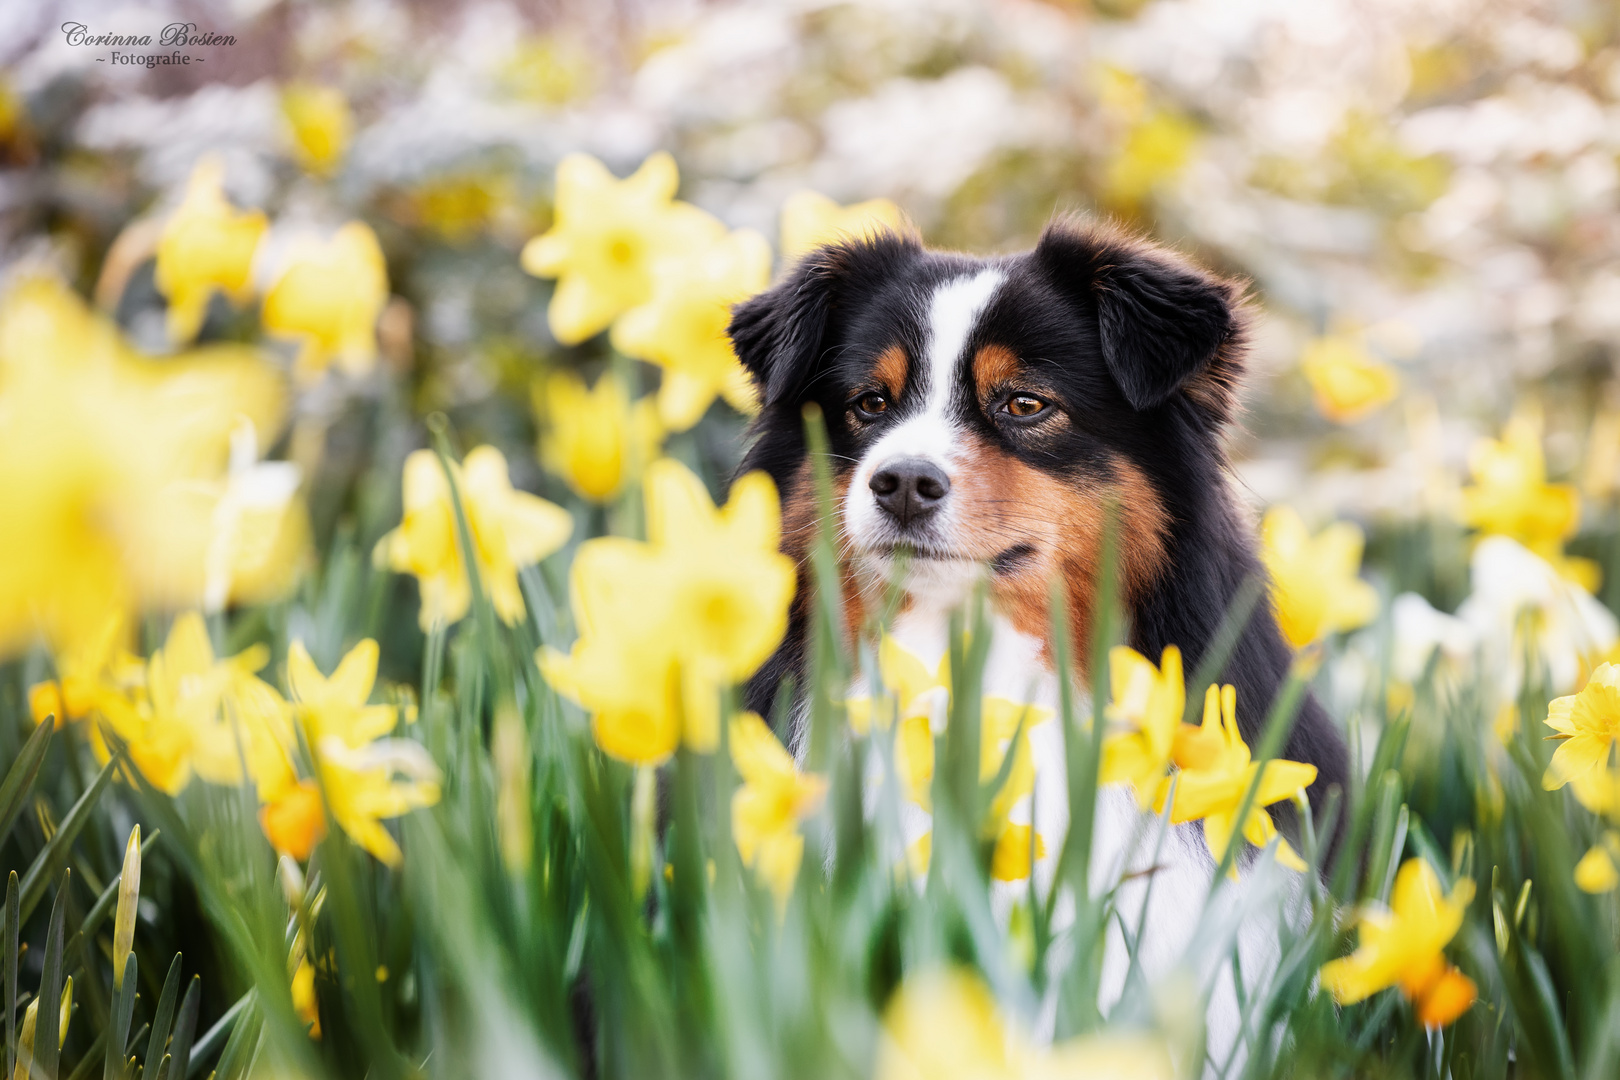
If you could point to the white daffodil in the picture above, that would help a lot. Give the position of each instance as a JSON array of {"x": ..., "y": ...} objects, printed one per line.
[
  {"x": 1420, "y": 629},
  {"x": 1518, "y": 592}
]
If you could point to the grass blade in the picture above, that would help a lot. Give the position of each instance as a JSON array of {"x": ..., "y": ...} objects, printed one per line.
[
  {"x": 118, "y": 1027},
  {"x": 223, "y": 1028},
  {"x": 185, "y": 1026},
  {"x": 55, "y": 850},
  {"x": 19, "y": 779},
  {"x": 46, "y": 1048},
  {"x": 9, "y": 946},
  {"x": 163, "y": 1015}
]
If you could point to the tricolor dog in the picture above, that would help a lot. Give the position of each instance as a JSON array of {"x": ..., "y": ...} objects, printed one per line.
[{"x": 981, "y": 414}]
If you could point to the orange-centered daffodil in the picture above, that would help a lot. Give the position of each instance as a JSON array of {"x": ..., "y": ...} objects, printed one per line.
[{"x": 1402, "y": 946}]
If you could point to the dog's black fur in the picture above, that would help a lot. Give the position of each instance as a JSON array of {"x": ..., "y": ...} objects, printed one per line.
[{"x": 1144, "y": 353}]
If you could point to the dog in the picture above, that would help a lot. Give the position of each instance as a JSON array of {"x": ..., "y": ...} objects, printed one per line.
[{"x": 981, "y": 414}]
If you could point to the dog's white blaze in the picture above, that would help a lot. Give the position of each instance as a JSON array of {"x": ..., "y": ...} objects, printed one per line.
[{"x": 953, "y": 311}]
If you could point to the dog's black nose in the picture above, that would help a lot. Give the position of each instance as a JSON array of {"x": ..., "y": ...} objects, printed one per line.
[{"x": 910, "y": 489}]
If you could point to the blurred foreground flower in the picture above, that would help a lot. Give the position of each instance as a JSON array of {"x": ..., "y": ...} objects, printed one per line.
[
  {"x": 1510, "y": 497},
  {"x": 810, "y": 220},
  {"x": 294, "y": 821},
  {"x": 1347, "y": 381},
  {"x": 945, "y": 1025},
  {"x": 1588, "y": 725},
  {"x": 666, "y": 624},
  {"x": 509, "y": 529},
  {"x": 766, "y": 810},
  {"x": 1314, "y": 587},
  {"x": 329, "y": 297},
  {"x": 607, "y": 236},
  {"x": 682, "y": 326},
  {"x": 1148, "y": 702},
  {"x": 102, "y": 453},
  {"x": 595, "y": 439},
  {"x": 1402, "y": 946},
  {"x": 194, "y": 713},
  {"x": 207, "y": 245},
  {"x": 1599, "y": 869},
  {"x": 1215, "y": 773},
  {"x": 321, "y": 125},
  {"x": 260, "y": 539},
  {"x": 336, "y": 707},
  {"x": 366, "y": 784},
  {"x": 99, "y": 662}
]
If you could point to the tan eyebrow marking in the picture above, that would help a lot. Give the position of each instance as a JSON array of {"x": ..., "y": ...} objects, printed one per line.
[
  {"x": 890, "y": 370},
  {"x": 993, "y": 366}
]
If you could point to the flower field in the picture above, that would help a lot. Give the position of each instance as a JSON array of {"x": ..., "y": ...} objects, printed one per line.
[{"x": 377, "y": 591}]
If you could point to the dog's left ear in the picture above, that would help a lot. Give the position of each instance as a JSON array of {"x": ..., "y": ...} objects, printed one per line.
[{"x": 1164, "y": 325}]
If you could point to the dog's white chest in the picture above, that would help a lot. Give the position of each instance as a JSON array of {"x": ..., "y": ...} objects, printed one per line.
[{"x": 1128, "y": 845}]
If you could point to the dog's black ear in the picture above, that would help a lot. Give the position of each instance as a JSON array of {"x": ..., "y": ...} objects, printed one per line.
[
  {"x": 1163, "y": 325},
  {"x": 781, "y": 335}
]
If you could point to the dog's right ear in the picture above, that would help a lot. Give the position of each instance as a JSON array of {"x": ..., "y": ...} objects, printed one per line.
[{"x": 782, "y": 334}]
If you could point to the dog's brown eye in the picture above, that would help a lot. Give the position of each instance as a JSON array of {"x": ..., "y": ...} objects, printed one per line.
[
  {"x": 873, "y": 404},
  {"x": 1025, "y": 405}
]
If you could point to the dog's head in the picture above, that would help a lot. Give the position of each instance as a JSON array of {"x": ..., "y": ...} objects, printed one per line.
[{"x": 983, "y": 412}]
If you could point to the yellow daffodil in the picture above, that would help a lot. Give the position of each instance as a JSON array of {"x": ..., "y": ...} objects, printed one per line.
[
  {"x": 369, "y": 783},
  {"x": 509, "y": 529},
  {"x": 595, "y": 439},
  {"x": 1599, "y": 869},
  {"x": 999, "y": 722},
  {"x": 910, "y": 690},
  {"x": 606, "y": 238},
  {"x": 1314, "y": 587},
  {"x": 1148, "y": 703},
  {"x": 1510, "y": 495},
  {"x": 1402, "y": 946},
  {"x": 1011, "y": 858},
  {"x": 328, "y": 297},
  {"x": 944, "y": 1024},
  {"x": 811, "y": 220},
  {"x": 207, "y": 245},
  {"x": 1588, "y": 725},
  {"x": 194, "y": 713},
  {"x": 321, "y": 126},
  {"x": 1347, "y": 381},
  {"x": 98, "y": 663},
  {"x": 261, "y": 530},
  {"x": 1216, "y": 772},
  {"x": 766, "y": 810},
  {"x": 682, "y": 326},
  {"x": 107, "y": 457},
  {"x": 295, "y": 821},
  {"x": 664, "y": 624},
  {"x": 335, "y": 707}
]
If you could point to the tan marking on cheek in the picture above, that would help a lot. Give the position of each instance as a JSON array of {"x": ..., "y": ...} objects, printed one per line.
[
  {"x": 800, "y": 520},
  {"x": 890, "y": 370},
  {"x": 993, "y": 366},
  {"x": 1002, "y": 502}
]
